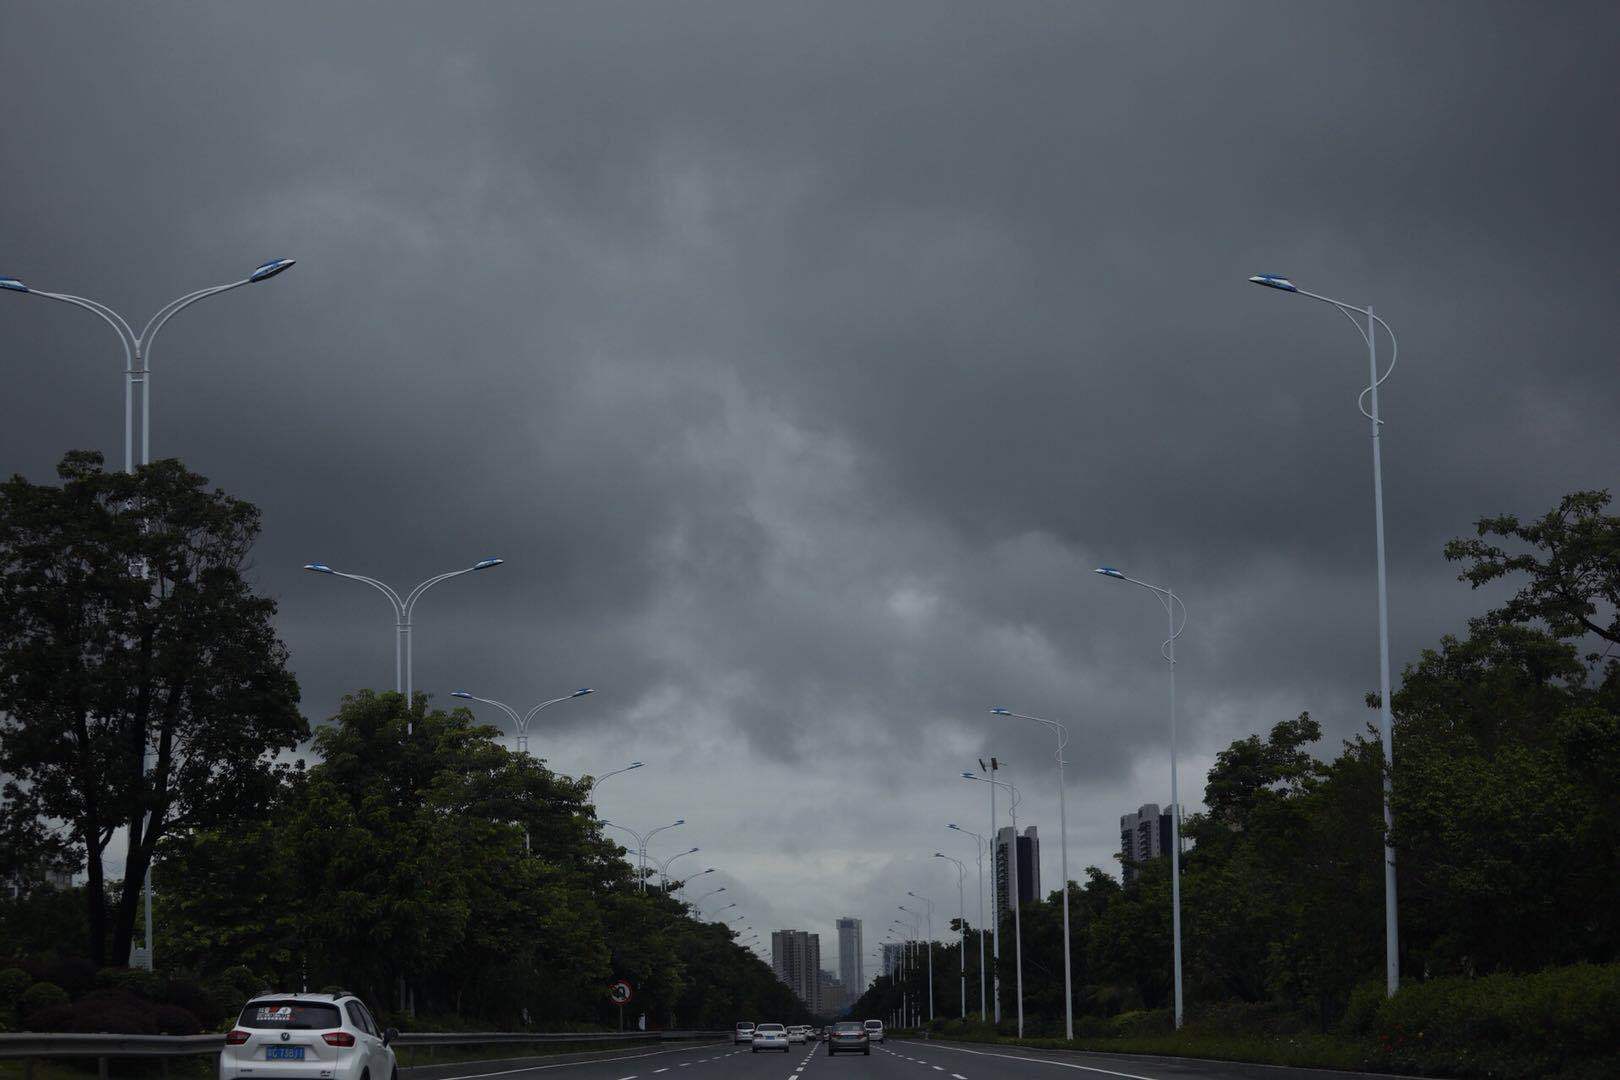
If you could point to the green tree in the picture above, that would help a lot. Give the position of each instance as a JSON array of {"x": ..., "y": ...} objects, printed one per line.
[
  {"x": 1573, "y": 566},
  {"x": 131, "y": 632}
]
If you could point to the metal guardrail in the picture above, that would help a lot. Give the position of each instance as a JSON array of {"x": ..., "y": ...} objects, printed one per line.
[{"x": 73, "y": 1045}]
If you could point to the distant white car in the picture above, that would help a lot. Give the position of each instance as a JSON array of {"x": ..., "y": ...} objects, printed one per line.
[
  {"x": 798, "y": 1033},
  {"x": 293, "y": 1036},
  {"x": 874, "y": 1030},
  {"x": 744, "y": 1033},
  {"x": 770, "y": 1037}
]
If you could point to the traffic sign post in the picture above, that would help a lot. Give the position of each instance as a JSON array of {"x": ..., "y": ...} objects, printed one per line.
[{"x": 621, "y": 993}]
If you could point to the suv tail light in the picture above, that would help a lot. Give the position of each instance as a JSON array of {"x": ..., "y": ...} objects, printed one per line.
[
  {"x": 338, "y": 1038},
  {"x": 236, "y": 1038}
]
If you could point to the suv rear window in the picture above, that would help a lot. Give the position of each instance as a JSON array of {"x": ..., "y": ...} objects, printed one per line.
[{"x": 290, "y": 1016}]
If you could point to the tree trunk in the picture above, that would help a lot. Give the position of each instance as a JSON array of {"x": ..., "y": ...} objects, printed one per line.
[{"x": 95, "y": 896}]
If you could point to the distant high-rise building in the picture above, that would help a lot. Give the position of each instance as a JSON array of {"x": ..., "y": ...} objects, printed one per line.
[
  {"x": 796, "y": 957},
  {"x": 891, "y": 953},
  {"x": 1143, "y": 835},
  {"x": 851, "y": 971},
  {"x": 1029, "y": 867},
  {"x": 836, "y": 998}
]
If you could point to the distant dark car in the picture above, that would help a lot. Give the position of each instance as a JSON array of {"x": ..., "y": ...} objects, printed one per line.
[{"x": 848, "y": 1039}]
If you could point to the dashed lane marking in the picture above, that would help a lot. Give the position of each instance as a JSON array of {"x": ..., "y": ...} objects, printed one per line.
[
  {"x": 1049, "y": 1061},
  {"x": 570, "y": 1064}
]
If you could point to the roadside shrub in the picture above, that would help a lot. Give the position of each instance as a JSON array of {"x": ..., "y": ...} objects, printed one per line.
[
  {"x": 199, "y": 1001},
  {"x": 13, "y": 981},
  {"x": 1141, "y": 1023},
  {"x": 136, "y": 981},
  {"x": 115, "y": 1012},
  {"x": 1361, "y": 1014},
  {"x": 1544, "y": 1024},
  {"x": 42, "y": 995}
]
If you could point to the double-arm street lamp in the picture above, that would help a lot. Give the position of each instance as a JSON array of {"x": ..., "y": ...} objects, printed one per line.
[
  {"x": 1012, "y": 889},
  {"x": 663, "y": 866},
  {"x": 403, "y": 606},
  {"x": 698, "y": 903},
  {"x": 1171, "y": 604},
  {"x": 1062, "y": 734},
  {"x": 979, "y": 845},
  {"x": 1369, "y": 396},
  {"x": 641, "y": 845},
  {"x": 598, "y": 781},
  {"x": 521, "y": 722},
  {"x": 961, "y": 923},
  {"x": 138, "y": 347}
]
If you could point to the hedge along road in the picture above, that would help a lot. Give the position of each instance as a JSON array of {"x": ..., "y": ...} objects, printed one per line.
[{"x": 898, "y": 1060}]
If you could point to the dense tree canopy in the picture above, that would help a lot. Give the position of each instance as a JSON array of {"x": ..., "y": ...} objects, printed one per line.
[{"x": 132, "y": 639}]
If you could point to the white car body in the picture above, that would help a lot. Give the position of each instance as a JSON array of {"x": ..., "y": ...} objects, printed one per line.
[
  {"x": 307, "y": 1037},
  {"x": 798, "y": 1033},
  {"x": 744, "y": 1033},
  {"x": 770, "y": 1037},
  {"x": 874, "y": 1030}
]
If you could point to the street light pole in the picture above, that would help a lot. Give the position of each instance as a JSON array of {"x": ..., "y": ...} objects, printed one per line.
[
  {"x": 663, "y": 867},
  {"x": 978, "y": 844},
  {"x": 1386, "y": 720},
  {"x": 1062, "y": 733},
  {"x": 930, "y": 945},
  {"x": 521, "y": 723},
  {"x": 641, "y": 845},
  {"x": 961, "y": 924},
  {"x": 137, "y": 360},
  {"x": 1013, "y": 799},
  {"x": 591, "y": 796},
  {"x": 138, "y": 347},
  {"x": 1170, "y": 602},
  {"x": 403, "y": 606}
]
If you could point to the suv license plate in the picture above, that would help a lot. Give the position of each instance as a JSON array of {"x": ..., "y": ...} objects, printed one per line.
[{"x": 284, "y": 1053}]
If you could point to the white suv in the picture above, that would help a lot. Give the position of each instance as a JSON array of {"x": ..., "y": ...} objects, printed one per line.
[{"x": 304, "y": 1036}]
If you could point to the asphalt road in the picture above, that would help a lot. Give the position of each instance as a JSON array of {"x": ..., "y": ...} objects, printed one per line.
[{"x": 896, "y": 1060}]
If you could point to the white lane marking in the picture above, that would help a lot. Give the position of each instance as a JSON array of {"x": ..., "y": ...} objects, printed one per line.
[
  {"x": 957, "y": 1076},
  {"x": 1049, "y": 1061},
  {"x": 664, "y": 1069},
  {"x": 568, "y": 1064}
]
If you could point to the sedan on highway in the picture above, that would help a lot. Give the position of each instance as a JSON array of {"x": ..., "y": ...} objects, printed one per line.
[
  {"x": 798, "y": 1033},
  {"x": 744, "y": 1033},
  {"x": 848, "y": 1038},
  {"x": 770, "y": 1037}
]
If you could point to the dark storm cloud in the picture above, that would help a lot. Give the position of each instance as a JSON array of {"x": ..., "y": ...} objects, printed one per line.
[{"x": 803, "y": 359}]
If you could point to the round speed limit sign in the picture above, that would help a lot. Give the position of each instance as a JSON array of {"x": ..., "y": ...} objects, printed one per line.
[{"x": 620, "y": 993}]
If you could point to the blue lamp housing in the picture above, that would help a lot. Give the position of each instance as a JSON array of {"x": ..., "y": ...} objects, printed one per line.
[
  {"x": 460, "y": 694},
  {"x": 13, "y": 284},
  {"x": 319, "y": 568},
  {"x": 1109, "y": 571},
  {"x": 582, "y": 691},
  {"x": 1274, "y": 281},
  {"x": 266, "y": 271},
  {"x": 484, "y": 564},
  {"x": 999, "y": 711}
]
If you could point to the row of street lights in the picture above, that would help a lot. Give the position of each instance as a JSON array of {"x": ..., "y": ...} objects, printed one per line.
[{"x": 1176, "y": 620}]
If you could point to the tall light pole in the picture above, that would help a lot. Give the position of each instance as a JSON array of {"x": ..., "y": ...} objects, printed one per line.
[
  {"x": 598, "y": 781},
  {"x": 663, "y": 867},
  {"x": 930, "y": 946},
  {"x": 1170, "y": 602},
  {"x": 138, "y": 347},
  {"x": 978, "y": 843},
  {"x": 403, "y": 606},
  {"x": 1386, "y": 723},
  {"x": 698, "y": 903},
  {"x": 641, "y": 845},
  {"x": 1013, "y": 799},
  {"x": 137, "y": 372},
  {"x": 995, "y": 893},
  {"x": 913, "y": 932},
  {"x": 521, "y": 723},
  {"x": 961, "y": 923},
  {"x": 1062, "y": 733}
]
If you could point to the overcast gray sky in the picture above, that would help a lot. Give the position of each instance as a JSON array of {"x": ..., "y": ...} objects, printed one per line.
[{"x": 802, "y": 359}]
